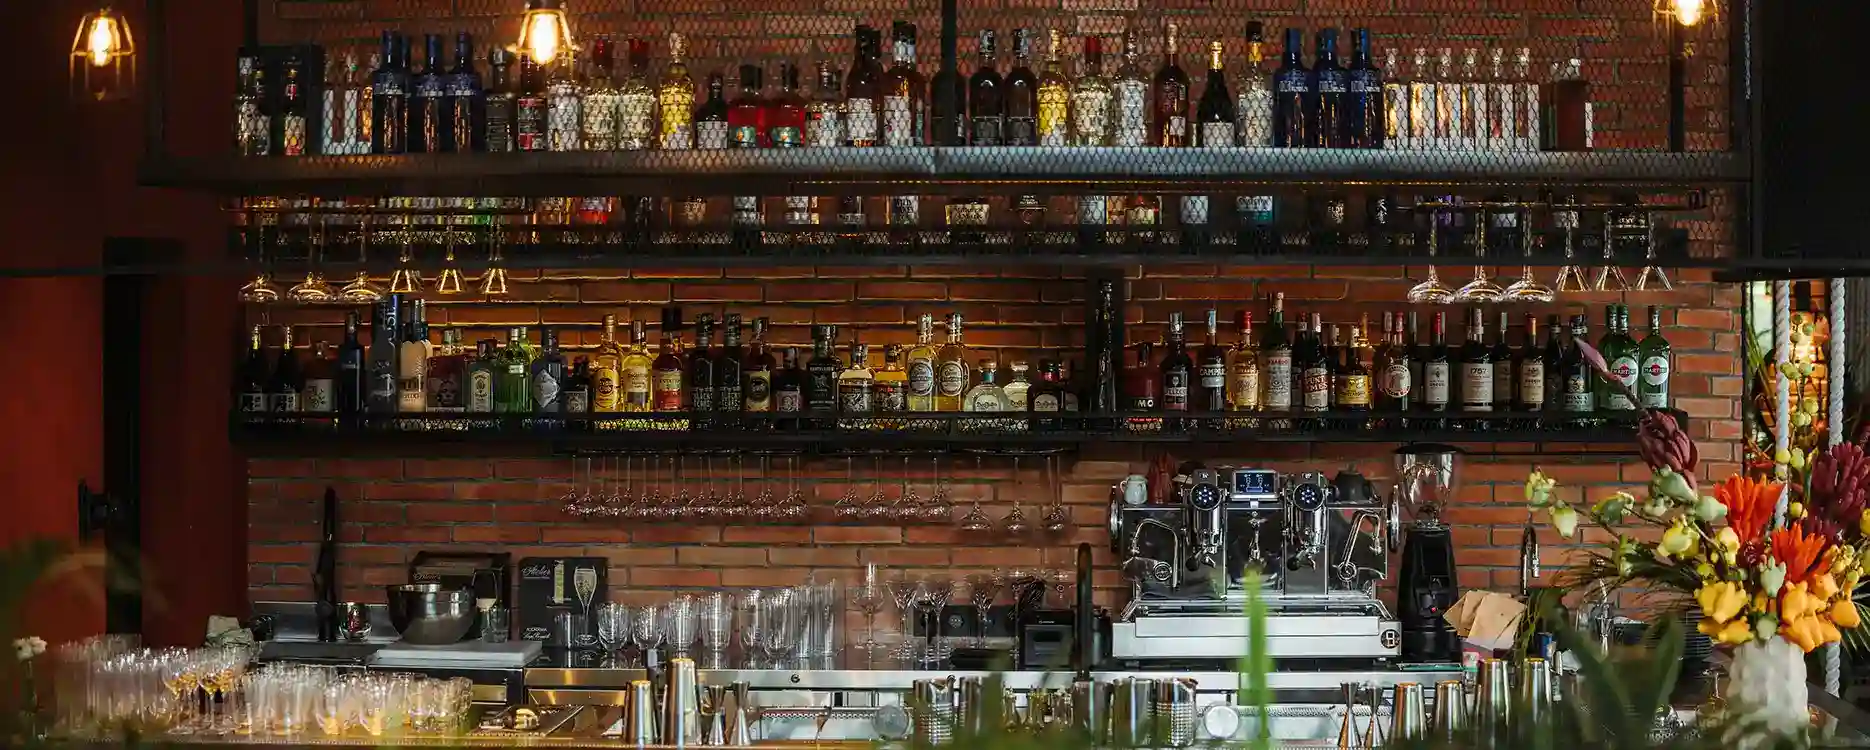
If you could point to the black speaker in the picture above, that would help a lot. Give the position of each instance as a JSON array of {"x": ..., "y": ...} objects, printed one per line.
[{"x": 1808, "y": 129}]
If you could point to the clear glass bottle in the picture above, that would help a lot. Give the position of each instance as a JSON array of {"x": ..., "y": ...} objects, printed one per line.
[
  {"x": 986, "y": 99},
  {"x": 921, "y": 366},
  {"x": 512, "y": 380},
  {"x": 1054, "y": 97},
  {"x": 1448, "y": 98},
  {"x": 987, "y": 395},
  {"x": 253, "y": 129},
  {"x": 1253, "y": 108},
  {"x": 563, "y": 107},
  {"x": 824, "y": 116},
  {"x": 1523, "y": 125},
  {"x": 1656, "y": 360},
  {"x": 636, "y": 102},
  {"x": 1397, "y": 134},
  {"x": 675, "y": 98},
  {"x": 891, "y": 387},
  {"x": 1017, "y": 386},
  {"x": 1424, "y": 108},
  {"x": 951, "y": 369},
  {"x": 1091, "y": 99},
  {"x": 864, "y": 90},
  {"x": 1131, "y": 121},
  {"x": 905, "y": 92},
  {"x": 1022, "y": 94},
  {"x": 1473, "y": 123},
  {"x": 856, "y": 390},
  {"x": 606, "y": 370},
  {"x": 602, "y": 101},
  {"x": 633, "y": 371}
]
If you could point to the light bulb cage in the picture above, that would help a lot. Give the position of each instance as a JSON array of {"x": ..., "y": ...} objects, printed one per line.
[
  {"x": 545, "y": 31},
  {"x": 103, "y": 57}
]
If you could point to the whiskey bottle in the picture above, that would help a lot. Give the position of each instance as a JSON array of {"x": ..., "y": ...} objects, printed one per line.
[
  {"x": 563, "y": 107},
  {"x": 951, "y": 369},
  {"x": 1476, "y": 369},
  {"x": 675, "y": 99},
  {"x": 413, "y": 361},
  {"x": 1046, "y": 397},
  {"x": 1531, "y": 370},
  {"x": 606, "y": 370},
  {"x": 1504, "y": 369},
  {"x": 575, "y": 393},
  {"x": 821, "y": 377},
  {"x": 757, "y": 372},
  {"x": 1022, "y": 94},
  {"x": 704, "y": 385},
  {"x": 789, "y": 389},
  {"x": 921, "y": 366},
  {"x": 1211, "y": 373},
  {"x": 389, "y": 105},
  {"x": 986, "y": 98},
  {"x": 502, "y": 103},
  {"x": 1244, "y": 373},
  {"x": 856, "y": 391},
  {"x": 863, "y": 90},
  {"x": 1436, "y": 371},
  {"x": 728, "y": 377},
  {"x": 824, "y": 116},
  {"x": 1054, "y": 97},
  {"x": 603, "y": 102},
  {"x": 1131, "y": 112},
  {"x": 1396, "y": 121},
  {"x": 633, "y": 372},
  {"x": 891, "y": 387},
  {"x": 669, "y": 372},
  {"x": 1655, "y": 355},
  {"x": 1353, "y": 380},
  {"x": 904, "y": 92},
  {"x": 1091, "y": 99},
  {"x": 1254, "y": 108},
  {"x": 288, "y": 382},
  {"x": 1277, "y": 370},
  {"x": 1178, "y": 372},
  {"x": 1330, "y": 87},
  {"x": 1017, "y": 387},
  {"x": 384, "y": 349},
  {"x": 1292, "y": 95},
  {"x": 1364, "y": 110},
  {"x": 351, "y": 386},
  {"x": 529, "y": 108},
  {"x": 548, "y": 375},
  {"x": 948, "y": 114},
  {"x": 512, "y": 381}
]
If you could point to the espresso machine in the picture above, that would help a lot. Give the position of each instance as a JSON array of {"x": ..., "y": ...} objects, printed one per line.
[
  {"x": 1426, "y": 478},
  {"x": 1319, "y": 544}
]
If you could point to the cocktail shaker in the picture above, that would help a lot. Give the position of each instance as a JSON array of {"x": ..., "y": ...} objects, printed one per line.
[
  {"x": 1172, "y": 709},
  {"x": 1535, "y": 691},
  {"x": 931, "y": 707},
  {"x": 1089, "y": 709},
  {"x": 1132, "y": 722},
  {"x": 639, "y": 714},
  {"x": 1451, "y": 716},
  {"x": 681, "y": 714},
  {"x": 1495, "y": 708},
  {"x": 738, "y": 714},
  {"x": 971, "y": 707},
  {"x": 1407, "y": 719}
]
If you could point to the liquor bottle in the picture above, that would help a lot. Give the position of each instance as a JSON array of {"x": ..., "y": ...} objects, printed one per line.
[
  {"x": 635, "y": 108},
  {"x": 563, "y": 107},
  {"x": 512, "y": 381},
  {"x": 1142, "y": 386},
  {"x": 863, "y": 90},
  {"x": 253, "y": 127},
  {"x": 1215, "y": 114},
  {"x": 1622, "y": 361},
  {"x": 1335, "y": 350},
  {"x": 606, "y": 370},
  {"x": 1531, "y": 369},
  {"x": 1424, "y": 104},
  {"x": 986, "y": 98},
  {"x": 320, "y": 387},
  {"x": 1022, "y": 94},
  {"x": 1396, "y": 123},
  {"x": 287, "y": 381},
  {"x": 987, "y": 395},
  {"x": 921, "y": 366},
  {"x": 948, "y": 112},
  {"x": 1168, "y": 125},
  {"x": 1476, "y": 368},
  {"x": 789, "y": 388},
  {"x": 389, "y": 105},
  {"x": 824, "y": 116},
  {"x": 1578, "y": 380},
  {"x": 1418, "y": 354},
  {"x": 603, "y": 101},
  {"x": 413, "y": 361},
  {"x": 1497, "y": 105},
  {"x": 1292, "y": 96},
  {"x": 704, "y": 383},
  {"x": 427, "y": 126},
  {"x": 384, "y": 343},
  {"x": 633, "y": 372},
  {"x": 294, "y": 137},
  {"x": 951, "y": 369},
  {"x": 892, "y": 386},
  {"x": 1524, "y": 125},
  {"x": 1448, "y": 114},
  {"x": 1091, "y": 99},
  {"x": 747, "y": 125},
  {"x": 1244, "y": 373},
  {"x": 575, "y": 392},
  {"x": 502, "y": 103},
  {"x": 467, "y": 103},
  {"x": 482, "y": 378},
  {"x": 821, "y": 376},
  {"x": 339, "y": 134},
  {"x": 1470, "y": 128},
  {"x": 1364, "y": 111},
  {"x": 1395, "y": 372},
  {"x": 1277, "y": 370},
  {"x": 785, "y": 111},
  {"x": 904, "y": 92},
  {"x": 1178, "y": 371},
  {"x": 1046, "y": 396},
  {"x": 856, "y": 391},
  {"x": 757, "y": 373},
  {"x": 1655, "y": 357},
  {"x": 529, "y": 108},
  {"x": 711, "y": 127},
  {"x": 447, "y": 368},
  {"x": 548, "y": 375},
  {"x": 1253, "y": 110},
  {"x": 729, "y": 379},
  {"x": 1436, "y": 372},
  {"x": 351, "y": 386},
  {"x": 1211, "y": 372},
  {"x": 1053, "y": 97},
  {"x": 1330, "y": 86},
  {"x": 1017, "y": 387},
  {"x": 1314, "y": 367},
  {"x": 675, "y": 99},
  {"x": 1504, "y": 369},
  {"x": 1353, "y": 379},
  {"x": 668, "y": 372}
]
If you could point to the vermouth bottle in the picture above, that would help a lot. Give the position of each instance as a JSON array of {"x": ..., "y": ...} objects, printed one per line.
[
  {"x": 1130, "y": 111},
  {"x": 1504, "y": 368},
  {"x": 502, "y": 102},
  {"x": 1395, "y": 390},
  {"x": 1531, "y": 369},
  {"x": 1211, "y": 372},
  {"x": 1476, "y": 369},
  {"x": 564, "y": 108},
  {"x": 1436, "y": 372},
  {"x": 1244, "y": 374},
  {"x": 1277, "y": 349},
  {"x": 1579, "y": 382},
  {"x": 1178, "y": 372},
  {"x": 602, "y": 101},
  {"x": 1353, "y": 379},
  {"x": 675, "y": 99},
  {"x": 1655, "y": 355}
]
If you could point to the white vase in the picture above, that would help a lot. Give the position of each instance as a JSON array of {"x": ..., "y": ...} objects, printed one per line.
[{"x": 1767, "y": 694}]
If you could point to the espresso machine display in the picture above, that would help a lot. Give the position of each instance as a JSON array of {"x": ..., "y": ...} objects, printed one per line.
[
  {"x": 1426, "y": 477},
  {"x": 1317, "y": 543}
]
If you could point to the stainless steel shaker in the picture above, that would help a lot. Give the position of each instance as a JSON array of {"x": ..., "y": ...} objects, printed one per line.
[
  {"x": 1172, "y": 710},
  {"x": 681, "y": 712},
  {"x": 1132, "y": 717},
  {"x": 1451, "y": 714},
  {"x": 1407, "y": 716},
  {"x": 932, "y": 710},
  {"x": 1535, "y": 691},
  {"x": 1494, "y": 710},
  {"x": 639, "y": 714},
  {"x": 1089, "y": 708},
  {"x": 971, "y": 707}
]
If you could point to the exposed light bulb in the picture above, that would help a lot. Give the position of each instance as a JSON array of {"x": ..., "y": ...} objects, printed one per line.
[
  {"x": 101, "y": 41},
  {"x": 542, "y": 37},
  {"x": 1687, "y": 12}
]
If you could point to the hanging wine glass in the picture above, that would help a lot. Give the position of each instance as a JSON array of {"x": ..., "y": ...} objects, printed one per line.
[
  {"x": 260, "y": 290},
  {"x": 1482, "y": 288},
  {"x": 493, "y": 283},
  {"x": 1432, "y": 291},
  {"x": 1609, "y": 277},
  {"x": 406, "y": 280},
  {"x": 976, "y": 519},
  {"x": 877, "y": 507},
  {"x": 848, "y": 507},
  {"x": 1015, "y": 523},
  {"x": 938, "y": 508},
  {"x": 1652, "y": 276},
  {"x": 1571, "y": 277},
  {"x": 450, "y": 281},
  {"x": 361, "y": 290},
  {"x": 313, "y": 290},
  {"x": 1527, "y": 288}
]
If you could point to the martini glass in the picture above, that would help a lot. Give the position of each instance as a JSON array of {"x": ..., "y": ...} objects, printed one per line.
[
  {"x": 1571, "y": 277},
  {"x": 493, "y": 283},
  {"x": 360, "y": 290},
  {"x": 1432, "y": 291},
  {"x": 406, "y": 280},
  {"x": 260, "y": 289},
  {"x": 1527, "y": 288},
  {"x": 1652, "y": 276},
  {"x": 1482, "y": 288},
  {"x": 1609, "y": 277},
  {"x": 313, "y": 289}
]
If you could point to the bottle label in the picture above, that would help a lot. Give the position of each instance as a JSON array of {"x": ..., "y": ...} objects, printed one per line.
[
  {"x": 1435, "y": 383},
  {"x": 704, "y": 399},
  {"x": 1532, "y": 385},
  {"x": 1045, "y": 402},
  {"x": 600, "y": 122},
  {"x": 985, "y": 131},
  {"x": 1656, "y": 371},
  {"x": 1217, "y": 134},
  {"x": 1254, "y": 107},
  {"x": 562, "y": 118},
  {"x": 1477, "y": 386},
  {"x": 712, "y": 134},
  {"x": 855, "y": 397},
  {"x": 636, "y": 389},
  {"x": 545, "y": 390},
  {"x": 1292, "y": 82},
  {"x": 530, "y": 124},
  {"x": 744, "y": 136},
  {"x": 679, "y": 137},
  {"x": 293, "y": 135},
  {"x": 730, "y": 398},
  {"x": 1279, "y": 381},
  {"x": 499, "y": 124},
  {"x": 1331, "y": 82},
  {"x": 253, "y": 402},
  {"x": 1396, "y": 380},
  {"x": 1022, "y": 131},
  {"x": 1091, "y": 116},
  {"x": 1054, "y": 116},
  {"x": 1624, "y": 369},
  {"x": 921, "y": 377},
  {"x": 318, "y": 395},
  {"x": 1503, "y": 382},
  {"x": 953, "y": 378},
  {"x": 899, "y": 125},
  {"x": 605, "y": 382},
  {"x": 984, "y": 401},
  {"x": 786, "y": 136},
  {"x": 824, "y": 129},
  {"x": 860, "y": 120},
  {"x": 788, "y": 400},
  {"x": 1214, "y": 376},
  {"x": 1578, "y": 396},
  {"x": 1194, "y": 210},
  {"x": 889, "y": 397},
  {"x": 410, "y": 393},
  {"x": 668, "y": 390},
  {"x": 760, "y": 390},
  {"x": 384, "y": 379},
  {"x": 480, "y": 391},
  {"x": 1246, "y": 390},
  {"x": 1364, "y": 81},
  {"x": 1316, "y": 389},
  {"x": 282, "y": 401},
  {"x": 1175, "y": 390},
  {"x": 821, "y": 386},
  {"x": 577, "y": 401},
  {"x": 1354, "y": 391},
  {"x": 1131, "y": 102}
]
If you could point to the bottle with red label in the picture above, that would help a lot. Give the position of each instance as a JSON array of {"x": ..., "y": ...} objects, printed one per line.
[
  {"x": 530, "y": 107},
  {"x": 747, "y": 125},
  {"x": 668, "y": 376},
  {"x": 1142, "y": 387},
  {"x": 1178, "y": 370},
  {"x": 1314, "y": 368}
]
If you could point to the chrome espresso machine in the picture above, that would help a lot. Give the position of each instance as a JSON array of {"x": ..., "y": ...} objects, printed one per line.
[{"x": 1320, "y": 544}]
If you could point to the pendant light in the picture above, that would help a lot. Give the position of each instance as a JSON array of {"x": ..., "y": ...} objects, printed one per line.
[{"x": 103, "y": 57}]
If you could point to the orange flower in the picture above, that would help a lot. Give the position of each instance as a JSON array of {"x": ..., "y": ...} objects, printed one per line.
[
  {"x": 1802, "y": 554},
  {"x": 1749, "y": 505}
]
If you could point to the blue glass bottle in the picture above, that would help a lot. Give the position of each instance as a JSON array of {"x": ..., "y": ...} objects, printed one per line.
[
  {"x": 467, "y": 103},
  {"x": 1292, "y": 90},
  {"x": 1330, "y": 86},
  {"x": 1363, "y": 104},
  {"x": 389, "y": 106},
  {"x": 428, "y": 126}
]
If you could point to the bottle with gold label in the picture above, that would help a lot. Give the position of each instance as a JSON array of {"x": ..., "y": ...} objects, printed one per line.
[
  {"x": 633, "y": 371},
  {"x": 921, "y": 366},
  {"x": 857, "y": 390},
  {"x": 413, "y": 362},
  {"x": 598, "y": 126},
  {"x": 757, "y": 374},
  {"x": 1054, "y": 98},
  {"x": 1353, "y": 379},
  {"x": 606, "y": 370},
  {"x": 891, "y": 386},
  {"x": 952, "y": 374},
  {"x": 675, "y": 97}
]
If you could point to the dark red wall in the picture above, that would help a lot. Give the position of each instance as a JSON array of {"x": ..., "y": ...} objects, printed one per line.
[{"x": 67, "y": 171}]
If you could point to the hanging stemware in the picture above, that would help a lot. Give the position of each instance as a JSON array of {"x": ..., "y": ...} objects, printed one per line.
[
  {"x": 795, "y": 510},
  {"x": 1652, "y": 277},
  {"x": 1014, "y": 523},
  {"x": 976, "y": 519},
  {"x": 406, "y": 280},
  {"x": 1609, "y": 276},
  {"x": 877, "y": 507},
  {"x": 848, "y": 507},
  {"x": 1057, "y": 519},
  {"x": 1432, "y": 291},
  {"x": 1571, "y": 276},
  {"x": 260, "y": 290},
  {"x": 1482, "y": 288},
  {"x": 314, "y": 289},
  {"x": 493, "y": 283},
  {"x": 361, "y": 290},
  {"x": 1527, "y": 288},
  {"x": 940, "y": 505},
  {"x": 450, "y": 281}
]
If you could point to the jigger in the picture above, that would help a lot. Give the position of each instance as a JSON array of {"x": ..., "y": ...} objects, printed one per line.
[
  {"x": 1406, "y": 716},
  {"x": 1495, "y": 708},
  {"x": 1451, "y": 715}
]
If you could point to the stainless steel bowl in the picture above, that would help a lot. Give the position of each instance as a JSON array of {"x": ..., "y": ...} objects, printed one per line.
[{"x": 428, "y": 615}]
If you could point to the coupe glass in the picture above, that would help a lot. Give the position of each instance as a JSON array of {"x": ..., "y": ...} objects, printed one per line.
[
  {"x": 361, "y": 290},
  {"x": 1482, "y": 288},
  {"x": 1527, "y": 288},
  {"x": 1431, "y": 291}
]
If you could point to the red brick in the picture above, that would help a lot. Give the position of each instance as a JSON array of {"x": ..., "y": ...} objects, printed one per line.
[
  {"x": 675, "y": 535},
  {"x": 405, "y": 534},
  {"x": 449, "y": 513},
  {"x": 911, "y": 290},
  {"x": 816, "y": 557},
  {"x": 539, "y": 491},
  {"x": 586, "y": 535},
  {"x": 273, "y": 467},
  {"x": 281, "y": 553},
  {"x": 686, "y": 577},
  {"x": 857, "y": 535},
  {"x": 1709, "y": 364},
  {"x": 497, "y": 534},
  {"x": 724, "y": 292},
  {"x": 766, "y": 534},
  {"x": 625, "y": 291},
  {"x": 721, "y": 556},
  {"x": 764, "y": 576},
  {"x": 352, "y": 468},
  {"x": 809, "y": 291},
  {"x": 373, "y": 512},
  {"x": 408, "y": 491},
  {"x": 439, "y": 468}
]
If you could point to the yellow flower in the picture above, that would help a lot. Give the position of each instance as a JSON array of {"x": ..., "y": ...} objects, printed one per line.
[
  {"x": 1678, "y": 541},
  {"x": 1736, "y": 632},
  {"x": 1539, "y": 489},
  {"x": 1797, "y": 602},
  {"x": 1721, "y": 601},
  {"x": 1844, "y": 613},
  {"x": 1564, "y": 519},
  {"x": 1824, "y": 586}
]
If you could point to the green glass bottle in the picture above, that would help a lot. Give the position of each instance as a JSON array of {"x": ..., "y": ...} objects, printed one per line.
[
  {"x": 1619, "y": 352},
  {"x": 481, "y": 377},
  {"x": 1656, "y": 361},
  {"x": 512, "y": 381}
]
